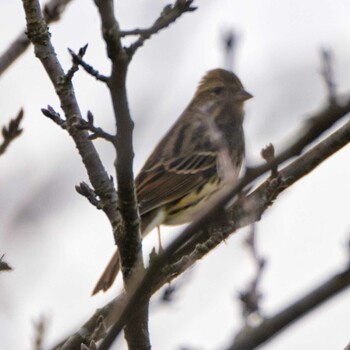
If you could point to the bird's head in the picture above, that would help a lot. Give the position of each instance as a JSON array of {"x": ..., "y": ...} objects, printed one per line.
[{"x": 222, "y": 86}]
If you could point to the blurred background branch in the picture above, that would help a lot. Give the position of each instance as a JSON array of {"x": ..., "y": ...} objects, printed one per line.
[
  {"x": 11, "y": 132},
  {"x": 4, "y": 266},
  {"x": 52, "y": 13},
  {"x": 250, "y": 337}
]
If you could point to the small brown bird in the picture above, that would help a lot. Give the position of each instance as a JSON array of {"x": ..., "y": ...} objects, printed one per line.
[{"x": 185, "y": 171}]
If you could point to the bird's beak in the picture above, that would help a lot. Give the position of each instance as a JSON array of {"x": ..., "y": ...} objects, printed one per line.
[{"x": 243, "y": 95}]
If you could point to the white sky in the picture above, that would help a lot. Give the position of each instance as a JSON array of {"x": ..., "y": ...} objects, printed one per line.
[{"x": 58, "y": 244}]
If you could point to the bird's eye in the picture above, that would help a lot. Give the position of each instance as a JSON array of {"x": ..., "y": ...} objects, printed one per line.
[{"x": 217, "y": 90}]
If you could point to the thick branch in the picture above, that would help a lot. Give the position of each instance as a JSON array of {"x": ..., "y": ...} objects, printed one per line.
[
  {"x": 127, "y": 235},
  {"x": 251, "y": 337},
  {"x": 52, "y": 13}
]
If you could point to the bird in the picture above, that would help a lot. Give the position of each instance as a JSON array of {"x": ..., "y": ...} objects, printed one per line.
[{"x": 185, "y": 171}]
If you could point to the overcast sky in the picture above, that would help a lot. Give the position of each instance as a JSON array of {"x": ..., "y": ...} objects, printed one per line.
[{"x": 58, "y": 243}]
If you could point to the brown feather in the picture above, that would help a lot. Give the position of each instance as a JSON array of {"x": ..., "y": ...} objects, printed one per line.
[{"x": 183, "y": 171}]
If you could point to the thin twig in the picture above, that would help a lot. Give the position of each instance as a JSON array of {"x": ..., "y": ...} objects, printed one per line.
[
  {"x": 54, "y": 116},
  {"x": 268, "y": 153},
  {"x": 11, "y": 132},
  {"x": 86, "y": 191},
  {"x": 75, "y": 66},
  {"x": 328, "y": 74},
  {"x": 77, "y": 59},
  {"x": 131, "y": 32},
  {"x": 169, "y": 15},
  {"x": 97, "y": 132}
]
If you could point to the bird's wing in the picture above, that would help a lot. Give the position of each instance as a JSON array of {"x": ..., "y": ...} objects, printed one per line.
[{"x": 182, "y": 162}]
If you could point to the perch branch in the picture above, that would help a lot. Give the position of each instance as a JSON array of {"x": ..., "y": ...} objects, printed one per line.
[{"x": 189, "y": 244}]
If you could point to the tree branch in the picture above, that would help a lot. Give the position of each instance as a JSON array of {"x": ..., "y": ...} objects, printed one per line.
[
  {"x": 52, "y": 13},
  {"x": 347, "y": 347},
  {"x": 54, "y": 116},
  {"x": 129, "y": 246},
  {"x": 87, "y": 333},
  {"x": 169, "y": 15},
  {"x": 77, "y": 59},
  {"x": 40, "y": 37},
  {"x": 75, "y": 66},
  {"x": 127, "y": 235},
  {"x": 87, "y": 192},
  {"x": 96, "y": 132},
  {"x": 251, "y": 337}
]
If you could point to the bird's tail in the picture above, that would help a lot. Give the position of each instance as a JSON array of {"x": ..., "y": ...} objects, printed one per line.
[
  {"x": 109, "y": 274},
  {"x": 149, "y": 222}
]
